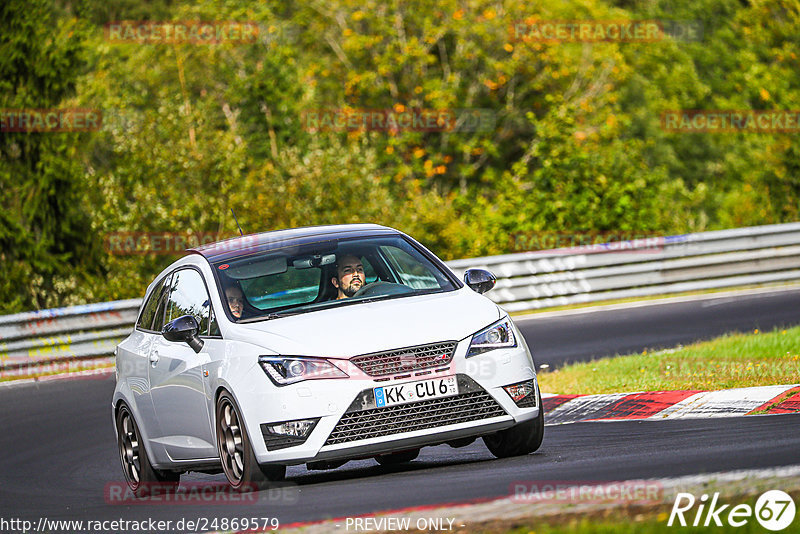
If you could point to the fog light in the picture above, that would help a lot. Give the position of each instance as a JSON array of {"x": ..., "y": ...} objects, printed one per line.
[
  {"x": 520, "y": 392},
  {"x": 287, "y": 433},
  {"x": 296, "y": 429}
]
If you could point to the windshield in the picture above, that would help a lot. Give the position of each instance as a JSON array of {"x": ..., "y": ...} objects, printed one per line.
[{"x": 326, "y": 274}]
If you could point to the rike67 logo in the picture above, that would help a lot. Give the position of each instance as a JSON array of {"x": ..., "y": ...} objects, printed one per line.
[{"x": 774, "y": 510}]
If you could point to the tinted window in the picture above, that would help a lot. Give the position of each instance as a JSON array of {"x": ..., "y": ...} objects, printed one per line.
[
  {"x": 149, "y": 310},
  {"x": 189, "y": 297}
]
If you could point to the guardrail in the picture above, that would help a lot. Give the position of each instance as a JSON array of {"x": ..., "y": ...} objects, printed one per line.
[
  {"x": 47, "y": 337},
  {"x": 527, "y": 280},
  {"x": 653, "y": 266}
]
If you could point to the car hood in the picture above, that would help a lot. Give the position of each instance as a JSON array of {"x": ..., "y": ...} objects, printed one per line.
[{"x": 367, "y": 327}]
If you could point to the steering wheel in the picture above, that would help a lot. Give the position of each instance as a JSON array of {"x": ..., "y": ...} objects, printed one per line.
[{"x": 382, "y": 288}]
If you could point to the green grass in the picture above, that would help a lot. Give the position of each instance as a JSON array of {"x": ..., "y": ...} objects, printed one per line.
[
  {"x": 624, "y": 519},
  {"x": 730, "y": 361}
]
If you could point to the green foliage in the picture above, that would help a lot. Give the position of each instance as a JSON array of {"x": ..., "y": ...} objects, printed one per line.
[
  {"x": 45, "y": 244},
  {"x": 190, "y": 130}
]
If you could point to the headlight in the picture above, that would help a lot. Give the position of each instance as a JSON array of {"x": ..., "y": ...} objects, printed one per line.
[
  {"x": 500, "y": 335},
  {"x": 285, "y": 370}
]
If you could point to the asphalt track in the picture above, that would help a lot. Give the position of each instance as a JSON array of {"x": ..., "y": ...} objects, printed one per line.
[{"x": 58, "y": 452}]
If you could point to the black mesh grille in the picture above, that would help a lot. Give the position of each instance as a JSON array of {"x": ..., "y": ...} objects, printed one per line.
[
  {"x": 408, "y": 359},
  {"x": 377, "y": 422},
  {"x": 528, "y": 402}
]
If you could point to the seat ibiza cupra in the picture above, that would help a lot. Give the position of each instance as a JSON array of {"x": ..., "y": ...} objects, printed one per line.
[{"x": 316, "y": 346}]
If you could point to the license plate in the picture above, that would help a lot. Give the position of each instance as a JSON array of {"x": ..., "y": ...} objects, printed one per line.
[{"x": 435, "y": 388}]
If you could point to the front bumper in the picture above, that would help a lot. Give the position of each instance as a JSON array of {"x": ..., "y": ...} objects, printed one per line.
[{"x": 350, "y": 426}]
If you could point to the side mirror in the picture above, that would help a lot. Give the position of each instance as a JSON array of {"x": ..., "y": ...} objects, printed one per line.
[
  {"x": 184, "y": 328},
  {"x": 480, "y": 280}
]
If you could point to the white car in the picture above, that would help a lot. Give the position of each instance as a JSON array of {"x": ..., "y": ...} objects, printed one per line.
[{"x": 316, "y": 346}]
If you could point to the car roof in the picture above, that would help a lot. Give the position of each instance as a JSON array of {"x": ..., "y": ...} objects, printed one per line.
[{"x": 264, "y": 242}]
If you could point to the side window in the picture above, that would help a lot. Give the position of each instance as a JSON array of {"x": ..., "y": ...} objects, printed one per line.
[
  {"x": 149, "y": 310},
  {"x": 188, "y": 296},
  {"x": 410, "y": 270}
]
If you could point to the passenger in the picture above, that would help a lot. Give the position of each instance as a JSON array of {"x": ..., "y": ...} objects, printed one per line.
[
  {"x": 349, "y": 276},
  {"x": 235, "y": 301}
]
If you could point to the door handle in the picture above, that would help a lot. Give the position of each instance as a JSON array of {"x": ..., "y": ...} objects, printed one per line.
[{"x": 154, "y": 358}]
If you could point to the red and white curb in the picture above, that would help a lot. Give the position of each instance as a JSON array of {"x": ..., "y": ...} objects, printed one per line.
[{"x": 656, "y": 405}]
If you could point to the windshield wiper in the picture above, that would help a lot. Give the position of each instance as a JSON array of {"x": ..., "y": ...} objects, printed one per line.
[
  {"x": 379, "y": 297},
  {"x": 268, "y": 316},
  {"x": 277, "y": 315}
]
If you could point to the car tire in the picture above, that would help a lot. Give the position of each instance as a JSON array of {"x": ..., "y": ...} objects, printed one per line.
[
  {"x": 394, "y": 458},
  {"x": 521, "y": 439},
  {"x": 235, "y": 452},
  {"x": 142, "y": 478}
]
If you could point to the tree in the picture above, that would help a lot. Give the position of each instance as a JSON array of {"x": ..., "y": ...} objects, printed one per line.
[{"x": 45, "y": 244}]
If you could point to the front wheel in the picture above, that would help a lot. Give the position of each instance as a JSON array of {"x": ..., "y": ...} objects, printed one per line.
[
  {"x": 238, "y": 461},
  {"x": 140, "y": 475},
  {"x": 518, "y": 440}
]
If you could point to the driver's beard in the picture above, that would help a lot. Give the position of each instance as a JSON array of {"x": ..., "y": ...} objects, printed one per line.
[{"x": 351, "y": 289}]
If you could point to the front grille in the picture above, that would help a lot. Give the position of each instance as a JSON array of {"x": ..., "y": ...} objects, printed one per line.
[
  {"x": 378, "y": 422},
  {"x": 409, "y": 359}
]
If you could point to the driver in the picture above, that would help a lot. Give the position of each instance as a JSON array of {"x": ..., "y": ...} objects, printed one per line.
[
  {"x": 235, "y": 300},
  {"x": 349, "y": 276}
]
